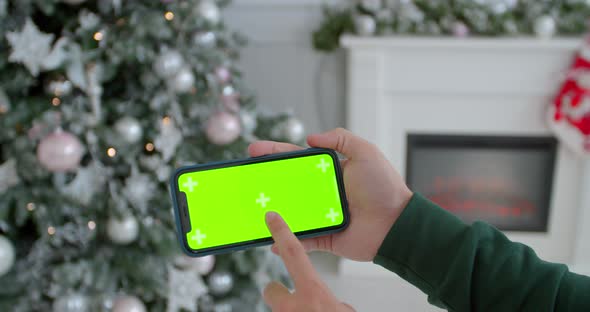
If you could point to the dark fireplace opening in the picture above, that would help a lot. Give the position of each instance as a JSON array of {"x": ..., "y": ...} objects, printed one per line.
[{"x": 503, "y": 180}]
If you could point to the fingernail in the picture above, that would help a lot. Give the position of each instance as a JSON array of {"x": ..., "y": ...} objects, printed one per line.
[{"x": 271, "y": 216}]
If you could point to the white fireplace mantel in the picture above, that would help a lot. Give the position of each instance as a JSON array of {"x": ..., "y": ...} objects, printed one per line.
[{"x": 485, "y": 86}]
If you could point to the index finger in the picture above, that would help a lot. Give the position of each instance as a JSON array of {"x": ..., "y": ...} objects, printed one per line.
[
  {"x": 261, "y": 148},
  {"x": 290, "y": 250}
]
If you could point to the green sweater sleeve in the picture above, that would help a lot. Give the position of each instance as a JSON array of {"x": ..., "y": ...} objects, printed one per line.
[{"x": 475, "y": 268}]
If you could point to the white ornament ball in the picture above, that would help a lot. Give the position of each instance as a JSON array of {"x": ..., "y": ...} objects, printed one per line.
[
  {"x": 60, "y": 151},
  {"x": 293, "y": 130},
  {"x": 7, "y": 255},
  {"x": 128, "y": 304},
  {"x": 129, "y": 129},
  {"x": 365, "y": 25},
  {"x": 545, "y": 27},
  {"x": 209, "y": 10},
  {"x": 168, "y": 64},
  {"x": 184, "y": 81},
  {"x": 223, "y": 128},
  {"x": 220, "y": 283},
  {"x": 202, "y": 265},
  {"x": 71, "y": 303},
  {"x": 122, "y": 231}
]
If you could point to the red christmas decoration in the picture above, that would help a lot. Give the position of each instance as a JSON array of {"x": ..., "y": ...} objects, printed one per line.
[{"x": 569, "y": 115}]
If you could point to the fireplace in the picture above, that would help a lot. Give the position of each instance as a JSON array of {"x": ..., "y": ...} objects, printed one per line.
[
  {"x": 503, "y": 180},
  {"x": 464, "y": 121}
]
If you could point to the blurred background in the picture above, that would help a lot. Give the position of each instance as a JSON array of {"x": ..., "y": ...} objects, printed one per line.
[{"x": 482, "y": 105}]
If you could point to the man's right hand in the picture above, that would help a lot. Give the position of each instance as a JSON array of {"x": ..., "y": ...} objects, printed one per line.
[{"x": 376, "y": 193}]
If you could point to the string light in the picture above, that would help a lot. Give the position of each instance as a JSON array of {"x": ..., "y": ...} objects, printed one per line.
[
  {"x": 55, "y": 101},
  {"x": 169, "y": 16},
  {"x": 149, "y": 147},
  {"x": 30, "y": 206},
  {"x": 112, "y": 152},
  {"x": 166, "y": 120},
  {"x": 51, "y": 230},
  {"x": 91, "y": 225},
  {"x": 98, "y": 36}
]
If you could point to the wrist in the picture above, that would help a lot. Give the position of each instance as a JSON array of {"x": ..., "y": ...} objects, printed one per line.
[{"x": 384, "y": 224}]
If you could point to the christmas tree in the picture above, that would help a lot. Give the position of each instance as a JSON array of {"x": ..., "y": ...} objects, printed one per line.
[{"x": 99, "y": 102}]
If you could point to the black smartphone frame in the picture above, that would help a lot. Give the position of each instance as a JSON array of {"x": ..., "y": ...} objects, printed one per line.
[{"x": 180, "y": 206}]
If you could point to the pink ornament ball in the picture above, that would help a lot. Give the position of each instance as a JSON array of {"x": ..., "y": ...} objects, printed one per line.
[
  {"x": 223, "y": 74},
  {"x": 223, "y": 128},
  {"x": 460, "y": 30},
  {"x": 60, "y": 151}
]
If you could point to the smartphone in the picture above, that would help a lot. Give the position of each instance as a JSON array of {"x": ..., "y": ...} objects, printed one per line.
[{"x": 220, "y": 207}]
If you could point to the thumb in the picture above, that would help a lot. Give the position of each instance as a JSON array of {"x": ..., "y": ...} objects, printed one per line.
[{"x": 343, "y": 141}]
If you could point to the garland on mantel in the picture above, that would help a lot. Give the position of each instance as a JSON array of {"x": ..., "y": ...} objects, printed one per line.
[{"x": 459, "y": 18}]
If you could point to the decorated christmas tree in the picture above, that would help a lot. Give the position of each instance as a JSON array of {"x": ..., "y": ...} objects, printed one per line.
[{"x": 99, "y": 102}]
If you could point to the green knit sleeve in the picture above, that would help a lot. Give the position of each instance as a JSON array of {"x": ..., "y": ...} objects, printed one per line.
[{"x": 475, "y": 268}]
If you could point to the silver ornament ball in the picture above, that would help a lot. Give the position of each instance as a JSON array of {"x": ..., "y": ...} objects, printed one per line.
[
  {"x": 184, "y": 81},
  {"x": 168, "y": 64},
  {"x": 128, "y": 304},
  {"x": 59, "y": 87},
  {"x": 249, "y": 121},
  {"x": 71, "y": 303},
  {"x": 129, "y": 129},
  {"x": 220, "y": 283},
  {"x": 545, "y": 27},
  {"x": 7, "y": 255},
  {"x": 209, "y": 11},
  {"x": 205, "y": 39},
  {"x": 293, "y": 130},
  {"x": 122, "y": 231},
  {"x": 365, "y": 25}
]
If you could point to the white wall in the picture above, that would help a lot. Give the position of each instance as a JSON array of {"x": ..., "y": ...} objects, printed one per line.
[{"x": 281, "y": 65}]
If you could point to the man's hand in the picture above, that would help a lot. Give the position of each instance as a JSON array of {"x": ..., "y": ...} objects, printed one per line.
[
  {"x": 376, "y": 193},
  {"x": 310, "y": 294}
]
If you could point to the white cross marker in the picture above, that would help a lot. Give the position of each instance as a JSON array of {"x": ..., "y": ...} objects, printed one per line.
[
  {"x": 323, "y": 165},
  {"x": 198, "y": 237},
  {"x": 332, "y": 215},
  {"x": 190, "y": 184},
  {"x": 262, "y": 200}
]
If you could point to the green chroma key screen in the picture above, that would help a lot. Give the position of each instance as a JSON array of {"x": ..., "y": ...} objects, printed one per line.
[{"x": 227, "y": 205}]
